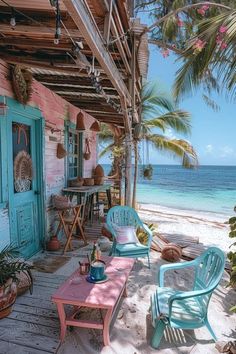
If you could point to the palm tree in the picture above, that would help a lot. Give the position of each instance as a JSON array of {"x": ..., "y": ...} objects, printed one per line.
[
  {"x": 113, "y": 137},
  {"x": 214, "y": 63},
  {"x": 158, "y": 115}
]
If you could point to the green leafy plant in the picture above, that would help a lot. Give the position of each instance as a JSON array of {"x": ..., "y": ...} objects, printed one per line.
[
  {"x": 10, "y": 266},
  {"x": 232, "y": 254},
  {"x": 142, "y": 235}
]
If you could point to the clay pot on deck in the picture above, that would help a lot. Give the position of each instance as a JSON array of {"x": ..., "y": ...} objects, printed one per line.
[
  {"x": 7, "y": 297},
  {"x": 53, "y": 244}
]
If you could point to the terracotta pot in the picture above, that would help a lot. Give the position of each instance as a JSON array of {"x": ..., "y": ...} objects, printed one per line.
[
  {"x": 7, "y": 297},
  {"x": 98, "y": 171},
  {"x": 98, "y": 181},
  {"x": 53, "y": 244}
]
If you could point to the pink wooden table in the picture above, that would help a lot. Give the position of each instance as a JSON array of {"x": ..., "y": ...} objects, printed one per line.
[{"x": 101, "y": 296}]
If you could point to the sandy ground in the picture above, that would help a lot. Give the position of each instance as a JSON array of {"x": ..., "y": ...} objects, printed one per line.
[{"x": 131, "y": 331}]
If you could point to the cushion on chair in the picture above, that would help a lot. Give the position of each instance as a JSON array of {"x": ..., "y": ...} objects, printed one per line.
[
  {"x": 132, "y": 248},
  {"x": 125, "y": 234}
]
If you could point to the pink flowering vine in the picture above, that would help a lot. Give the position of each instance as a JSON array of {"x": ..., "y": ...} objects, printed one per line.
[
  {"x": 198, "y": 46},
  {"x": 220, "y": 37},
  {"x": 223, "y": 29},
  {"x": 165, "y": 52},
  {"x": 202, "y": 10},
  {"x": 180, "y": 23}
]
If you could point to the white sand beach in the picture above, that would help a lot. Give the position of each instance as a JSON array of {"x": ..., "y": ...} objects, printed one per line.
[{"x": 131, "y": 331}]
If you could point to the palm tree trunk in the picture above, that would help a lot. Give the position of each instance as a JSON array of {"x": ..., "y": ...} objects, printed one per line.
[{"x": 135, "y": 173}]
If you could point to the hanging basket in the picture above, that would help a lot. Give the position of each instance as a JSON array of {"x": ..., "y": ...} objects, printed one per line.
[
  {"x": 80, "y": 121},
  {"x": 21, "y": 84},
  {"x": 147, "y": 172},
  {"x": 61, "y": 151},
  {"x": 95, "y": 127},
  {"x": 87, "y": 153}
]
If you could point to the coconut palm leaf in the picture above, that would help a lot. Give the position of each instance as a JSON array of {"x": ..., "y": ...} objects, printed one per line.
[
  {"x": 153, "y": 99},
  {"x": 177, "y": 148},
  {"x": 178, "y": 120},
  {"x": 107, "y": 149}
]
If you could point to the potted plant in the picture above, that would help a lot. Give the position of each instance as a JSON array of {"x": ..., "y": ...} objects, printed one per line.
[{"x": 10, "y": 268}]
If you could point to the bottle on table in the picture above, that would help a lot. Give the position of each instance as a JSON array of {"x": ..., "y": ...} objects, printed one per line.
[
  {"x": 98, "y": 252},
  {"x": 93, "y": 253}
]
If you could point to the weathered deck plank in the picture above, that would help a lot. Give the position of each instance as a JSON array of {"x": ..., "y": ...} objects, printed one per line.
[
  {"x": 11, "y": 348},
  {"x": 33, "y": 326}
]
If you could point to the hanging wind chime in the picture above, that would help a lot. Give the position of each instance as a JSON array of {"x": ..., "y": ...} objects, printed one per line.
[{"x": 55, "y": 3}]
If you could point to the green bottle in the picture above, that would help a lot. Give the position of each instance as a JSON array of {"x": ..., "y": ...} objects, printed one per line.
[{"x": 93, "y": 254}]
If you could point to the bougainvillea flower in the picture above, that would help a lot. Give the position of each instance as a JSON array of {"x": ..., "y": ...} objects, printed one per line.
[
  {"x": 205, "y": 7},
  {"x": 223, "y": 45},
  {"x": 202, "y": 10},
  {"x": 223, "y": 29},
  {"x": 165, "y": 52},
  {"x": 180, "y": 23},
  {"x": 199, "y": 44}
]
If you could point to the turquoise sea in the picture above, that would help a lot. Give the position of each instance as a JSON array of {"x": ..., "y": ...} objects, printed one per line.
[{"x": 207, "y": 188}]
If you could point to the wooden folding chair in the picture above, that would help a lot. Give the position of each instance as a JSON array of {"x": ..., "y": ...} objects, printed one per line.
[{"x": 69, "y": 224}]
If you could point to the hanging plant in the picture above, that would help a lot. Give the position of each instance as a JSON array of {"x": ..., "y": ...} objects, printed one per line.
[
  {"x": 21, "y": 83},
  {"x": 147, "y": 172}
]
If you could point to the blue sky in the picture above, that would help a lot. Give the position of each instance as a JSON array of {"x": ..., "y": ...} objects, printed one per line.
[{"x": 213, "y": 133}]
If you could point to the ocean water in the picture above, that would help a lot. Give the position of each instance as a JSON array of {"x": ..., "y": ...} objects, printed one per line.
[{"x": 206, "y": 189}]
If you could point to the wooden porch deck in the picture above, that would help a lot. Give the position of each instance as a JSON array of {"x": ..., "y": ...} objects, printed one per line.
[{"x": 33, "y": 326}]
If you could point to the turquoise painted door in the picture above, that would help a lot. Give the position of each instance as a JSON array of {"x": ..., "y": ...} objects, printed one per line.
[{"x": 23, "y": 184}]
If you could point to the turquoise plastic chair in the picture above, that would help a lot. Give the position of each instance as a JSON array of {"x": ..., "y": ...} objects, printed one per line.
[
  {"x": 187, "y": 309},
  {"x": 126, "y": 216}
]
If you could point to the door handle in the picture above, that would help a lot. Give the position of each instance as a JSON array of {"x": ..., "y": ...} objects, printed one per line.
[{"x": 37, "y": 192}]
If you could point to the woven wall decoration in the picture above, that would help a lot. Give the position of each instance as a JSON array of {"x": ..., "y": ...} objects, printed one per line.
[
  {"x": 21, "y": 83},
  {"x": 23, "y": 171}
]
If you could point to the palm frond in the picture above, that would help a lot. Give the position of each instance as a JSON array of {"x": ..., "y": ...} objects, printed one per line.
[
  {"x": 211, "y": 103},
  {"x": 107, "y": 149},
  {"x": 177, "y": 148},
  {"x": 178, "y": 120}
]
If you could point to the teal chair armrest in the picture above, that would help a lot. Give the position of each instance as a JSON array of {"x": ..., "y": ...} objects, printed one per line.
[
  {"x": 165, "y": 267},
  {"x": 149, "y": 232},
  {"x": 186, "y": 295}
]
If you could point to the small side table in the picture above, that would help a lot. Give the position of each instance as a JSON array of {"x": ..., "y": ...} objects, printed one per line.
[{"x": 69, "y": 224}]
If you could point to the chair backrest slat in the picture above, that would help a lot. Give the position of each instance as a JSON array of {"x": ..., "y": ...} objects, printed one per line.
[
  {"x": 122, "y": 216},
  {"x": 209, "y": 269}
]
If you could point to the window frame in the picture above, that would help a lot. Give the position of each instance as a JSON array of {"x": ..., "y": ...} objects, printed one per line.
[{"x": 70, "y": 128}]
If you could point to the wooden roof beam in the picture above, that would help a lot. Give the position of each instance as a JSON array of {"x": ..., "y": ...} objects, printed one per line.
[
  {"x": 36, "y": 31},
  {"x": 81, "y": 15}
]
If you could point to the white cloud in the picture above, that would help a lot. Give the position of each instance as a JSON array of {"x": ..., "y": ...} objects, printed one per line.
[
  {"x": 209, "y": 148},
  {"x": 226, "y": 151}
]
